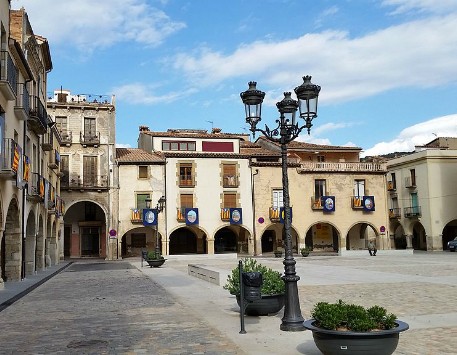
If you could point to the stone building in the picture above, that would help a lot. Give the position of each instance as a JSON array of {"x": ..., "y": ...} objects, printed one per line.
[
  {"x": 86, "y": 124},
  {"x": 422, "y": 187},
  {"x": 30, "y": 205},
  {"x": 141, "y": 177}
]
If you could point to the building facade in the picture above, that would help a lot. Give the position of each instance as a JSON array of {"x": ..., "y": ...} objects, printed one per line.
[
  {"x": 86, "y": 124},
  {"x": 31, "y": 207},
  {"x": 422, "y": 190}
]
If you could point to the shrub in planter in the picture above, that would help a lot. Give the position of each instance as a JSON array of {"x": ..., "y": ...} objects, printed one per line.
[
  {"x": 154, "y": 255},
  {"x": 341, "y": 328}
]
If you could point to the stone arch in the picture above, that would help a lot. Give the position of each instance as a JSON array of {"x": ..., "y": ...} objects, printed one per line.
[
  {"x": 323, "y": 237},
  {"x": 397, "y": 236},
  {"x": 358, "y": 235},
  {"x": 30, "y": 244},
  {"x": 137, "y": 239},
  {"x": 273, "y": 238},
  {"x": 449, "y": 233},
  {"x": 232, "y": 238},
  {"x": 12, "y": 245}
]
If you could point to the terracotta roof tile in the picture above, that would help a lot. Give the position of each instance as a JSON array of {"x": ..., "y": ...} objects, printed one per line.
[
  {"x": 136, "y": 155},
  {"x": 195, "y": 134}
]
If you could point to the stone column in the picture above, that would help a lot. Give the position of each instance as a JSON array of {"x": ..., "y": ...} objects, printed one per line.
[
  {"x": 39, "y": 252},
  {"x": 210, "y": 246},
  {"x": 13, "y": 251},
  {"x": 30, "y": 247},
  {"x": 409, "y": 241}
]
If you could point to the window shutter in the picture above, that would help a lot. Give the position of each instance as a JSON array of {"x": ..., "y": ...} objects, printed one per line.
[
  {"x": 187, "y": 201},
  {"x": 230, "y": 200}
]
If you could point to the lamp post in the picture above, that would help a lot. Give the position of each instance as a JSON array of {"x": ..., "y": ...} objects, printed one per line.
[
  {"x": 286, "y": 131},
  {"x": 159, "y": 208}
]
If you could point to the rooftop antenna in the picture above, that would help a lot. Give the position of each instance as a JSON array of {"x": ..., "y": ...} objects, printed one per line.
[{"x": 212, "y": 125}]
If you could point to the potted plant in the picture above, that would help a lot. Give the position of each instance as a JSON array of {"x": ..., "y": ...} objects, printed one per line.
[
  {"x": 154, "y": 258},
  {"x": 278, "y": 253},
  {"x": 342, "y": 328},
  {"x": 304, "y": 251},
  {"x": 272, "y": 290}
]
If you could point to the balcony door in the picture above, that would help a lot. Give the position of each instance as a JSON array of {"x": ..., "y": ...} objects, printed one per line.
[
  {"x": 89, "y": 128},
  {"x": 414, "y": 203},
  {"x": 89, "y": 171}
]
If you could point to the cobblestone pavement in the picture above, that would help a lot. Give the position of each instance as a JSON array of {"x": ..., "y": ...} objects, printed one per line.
[{"x": 106, "y": 308}]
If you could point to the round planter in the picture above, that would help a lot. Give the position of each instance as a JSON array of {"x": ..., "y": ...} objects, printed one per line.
[
  {"x": 278, "y": 254},
  {"x": 155, "y": 262},
  {"x": 334, "y": 342},
  {"x": 305, "y": 253},
  {"x": 268, "y": 304}
]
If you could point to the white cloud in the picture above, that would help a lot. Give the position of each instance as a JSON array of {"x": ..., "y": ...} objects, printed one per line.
[
  {"x": 88, "y": 25},
  {"x": 418, "y": 134},
  {"x": 433, "y": 6},
  {"x": 413, "y": 54},
  {"x": 138, "y": 93},
  {"x": 120, "y": 145}
]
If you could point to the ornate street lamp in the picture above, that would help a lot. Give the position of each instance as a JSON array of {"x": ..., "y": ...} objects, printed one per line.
[{"x": 286, "y": 131}]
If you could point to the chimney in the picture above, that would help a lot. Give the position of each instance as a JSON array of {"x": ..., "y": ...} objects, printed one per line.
[
  {"x": 144, "y": 129},
  {"x": 216, "y": 130}
]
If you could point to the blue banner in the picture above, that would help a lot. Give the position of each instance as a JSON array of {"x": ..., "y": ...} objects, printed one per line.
[
  {"x": 328, "y": 203},
  {"x": 191, "y": 216},
  {"x": 368, "y": 203},
  {"x": 282, "y": 215},
  {"x": 236, "y": 216},
  {"x": 149, "y": 217}
]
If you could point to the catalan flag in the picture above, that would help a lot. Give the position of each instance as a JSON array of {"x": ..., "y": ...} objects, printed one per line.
[
  {"x": 41, "y": 187},
  {"x": 16, "y": 157},
  {"x": 26, "y": 161}
]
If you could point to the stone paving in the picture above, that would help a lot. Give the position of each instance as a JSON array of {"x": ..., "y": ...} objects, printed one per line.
[
  {"x": 105, "y": 308},
  {"x": 123, "y": 308}
]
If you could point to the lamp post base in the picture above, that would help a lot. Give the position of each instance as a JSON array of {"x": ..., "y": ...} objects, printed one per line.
[{"x": 292, "y": 321}]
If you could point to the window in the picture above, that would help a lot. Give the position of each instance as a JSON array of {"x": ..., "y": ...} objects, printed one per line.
[
  {"x": 229, "y": 200},
  {"x": 187, "y": 200},
  {"x": 143, "y": 172},
  {"x": 178, "y": 145},
  {"x": 413, "y": 177},
  {"x": 61, "y": 124},
  {"x": 320, "y": 159},
  {"x": 217, "y": 146},
  {"x": 278, "y": 199},
  {"x": 394, "y": 202},
  {"x": 359, "y": 188},
  {"x": 89, "y": 127},
  {"x": 141, "y": 200},
  {"x": 229, "y": 175},
  {"x": 90, "y": 171},
  {"x": 138, "y": 240},
  {"x": 65, "y": 169},
  {"x": 394, "y": 181},
  {"x": 185, "y": 174},
  {"x": 319, "y": 188}
]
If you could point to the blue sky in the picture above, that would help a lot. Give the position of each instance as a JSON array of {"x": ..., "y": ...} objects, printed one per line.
[{"x": 387, "y": 68}]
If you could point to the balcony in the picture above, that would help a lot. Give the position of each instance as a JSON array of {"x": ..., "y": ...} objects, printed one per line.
[
  {"x": 8, "y": 76},
  {"x": 48, "y": 141},
  {"x": 89, "y": 182},
  {"x": 341, "y": 167},
  {"x": 230, "y": 181},
  {"x": 39, "y": 120},
  {"x": 36, "y": 188},
  {"x": 22, "y": 106},
  {"x": 410, "y": 183},
  {"x": 54, "y": 160},
  {"x": 413, "y": 212},
  {"x": 394, "y": 213},
  {"x": 66, "y": 138},
  {"x": 316, "y": 203},
  {"x": 357, "y": 202},
  {"x": 136, "y": 216},
  {"x": 391, "y": 186},
  {"x": 186, "y": 181},
  {"x": 9, "y": 159},
  {"x": 89, "y": 139},
  {"x": 51, "y": 200}
]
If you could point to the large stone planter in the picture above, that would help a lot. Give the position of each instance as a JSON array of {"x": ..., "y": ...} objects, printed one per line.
[
  {"x": 334, "y": 342},
  {"x": 268, "y": 304},
  {"x": 155, "y": 262}
]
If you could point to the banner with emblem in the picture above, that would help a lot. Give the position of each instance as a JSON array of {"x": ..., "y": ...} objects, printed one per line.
[
  {"x": 236, "y": 216},
  {"x": 328, "y": 204},
  {"x": 191, "y": 216},
  {"x": 368, "y": 203}
]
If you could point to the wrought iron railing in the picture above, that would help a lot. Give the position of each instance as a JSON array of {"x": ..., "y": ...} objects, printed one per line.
[
  {"x": 88, "y": 182},
  {"x": 89, "y": 138},
  {"x": 8, "y": 70},
  {"x": 411, "y": 212},
  {"x": 22, "y": 106},
  {"x": 343, "y": 167},
  {"x": 394, "y": 213}
]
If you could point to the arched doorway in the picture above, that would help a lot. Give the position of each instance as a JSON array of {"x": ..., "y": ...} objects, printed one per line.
[
  {"x": 322, "y": 237},
  {"x": 12, "y": 244},
  {"x": 449, "y": 233},
  {"x": 419, "y": 238},
  {"x": 86, "y": 225},
  {"x": 140, "y": 239},
  {"x": 225, "y": 241},
  {"x": 399, "y": 237},
  {"x": 358, "y": 236},
  {"x": 273, "y": 238},
  {"x": 30, "y": 245},
  {"x": 183, "y": 241}
]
